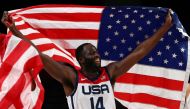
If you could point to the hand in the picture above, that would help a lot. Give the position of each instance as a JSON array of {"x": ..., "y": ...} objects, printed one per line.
[
  {"x": 7, "y": 20},
  {"x": 168, "y": 20}
]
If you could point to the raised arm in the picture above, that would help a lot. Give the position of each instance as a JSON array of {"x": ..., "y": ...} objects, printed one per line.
[
  {"x": 118, "y": 68},
  {"x": 62, "y": 73}
]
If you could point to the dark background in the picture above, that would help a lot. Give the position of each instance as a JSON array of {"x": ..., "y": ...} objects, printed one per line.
[{"x": 54, "y": 93}]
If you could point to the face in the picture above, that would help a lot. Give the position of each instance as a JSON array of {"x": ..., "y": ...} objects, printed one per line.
[{"x": 90, "y": 56}]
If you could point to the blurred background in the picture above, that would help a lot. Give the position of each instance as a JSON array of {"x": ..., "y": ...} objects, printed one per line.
[{"x": 54, "y": 96}]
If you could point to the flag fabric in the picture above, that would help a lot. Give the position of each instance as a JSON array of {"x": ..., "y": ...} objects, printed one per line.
[{"x": 156, "y": 82}]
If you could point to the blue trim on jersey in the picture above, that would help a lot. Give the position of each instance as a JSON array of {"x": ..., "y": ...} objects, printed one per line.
[{"x": 72, "y": 102}]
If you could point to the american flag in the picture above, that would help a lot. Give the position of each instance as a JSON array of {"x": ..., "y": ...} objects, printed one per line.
[{"x": 157, "y": 81}]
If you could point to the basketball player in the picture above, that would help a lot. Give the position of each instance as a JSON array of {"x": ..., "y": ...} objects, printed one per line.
[{"x": 91, "y": 87}]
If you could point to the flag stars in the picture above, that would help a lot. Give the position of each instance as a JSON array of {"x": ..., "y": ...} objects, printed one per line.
[
  {"x": 162, "y": 39},
  {"x": 166, "y": 61},
  {"x": 142, "y": 16},
  {"x": 121, "y": 55},
  {"x": 146, "y": 36},
  {"x": 124, "y": 27},
  {"x": 118, "y": 21},
  {"x": 167, "y": 47},
  {"x": 159, "y": 53},
  {"x": 120, "y": 11},
  {"x": 113, "y": 8},
  {"x": 150, "y": 59},
  {"x": 138, "y": 42},
  {"x": 139, "y": 28},
  {"x": 131, "y": 34},
  {"x": 123, "y": 41},
  {"x": 114, "y": 47},
  {"x": 109, "y": 27},
  {"x": 157, "y": 16},
  {"x": 108, "y": 39},
  {"x": 180, "y": 64},
  {"x": 183, "y": 36},
  {"x": 174, "y": 55},
  {"x": 128, "y": 8},
  {"x": 169, "y": 33},
  {"x": 133, "y": 21},
  {"x": 148, "y": 22},
  {"x": 111, "y": 15},
  {"x": 135, "y": 11},
  {"x": 116, "y": 33},
  {"x": 182, "y": 50},
  {"x": 126, "y": 16},
  {"x": 176, "y": 41},
  {"x": 130, "y": 48},
  {"x": 154, "y": 30},
  {"x": 106, "y": 53},
  {"x": 150, "y": 11}
]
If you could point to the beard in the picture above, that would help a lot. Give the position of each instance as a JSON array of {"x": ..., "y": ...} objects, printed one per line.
[{"x": 91, "y": 63}]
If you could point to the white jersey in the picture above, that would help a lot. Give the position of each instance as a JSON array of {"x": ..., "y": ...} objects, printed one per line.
[{"x": 96, "y": 94}]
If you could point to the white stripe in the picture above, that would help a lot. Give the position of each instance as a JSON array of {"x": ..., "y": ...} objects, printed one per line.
[
  {"x": 48, "y": 24},
  {"x": 19, "y": 23},
  {"x": 12, "y": 44},
  {"x": 28, "y": 31},
  {"x": 155, "y": 91},
  {"x": 73, "y": 43},
  {"x": 137, "y": 105},
  {"x": 62, "y": 10},
  {"x": 28, "y": 97},
  {"x": 41, "y": 41},
  {"x": 167, "y": 73},
  {"x": 16, "y": 71}
]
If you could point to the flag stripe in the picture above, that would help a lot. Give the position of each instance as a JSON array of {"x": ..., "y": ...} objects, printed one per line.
[
  {"x": 92, "y": 17},
  {"x": 155, "y": 91},
  {"x": 70, "y": 33},
  {"x": 133, "y": 105},
  {"x": 148, "y": 99},
  {"x": 12, "y": 59},
  {"x": 151, "y": 81}
]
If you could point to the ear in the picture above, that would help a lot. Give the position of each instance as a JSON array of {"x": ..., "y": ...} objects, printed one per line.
[{"x": 81, "y": 60}]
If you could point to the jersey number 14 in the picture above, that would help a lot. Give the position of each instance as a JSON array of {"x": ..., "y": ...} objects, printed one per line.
[{"x": 99, "y": 103}]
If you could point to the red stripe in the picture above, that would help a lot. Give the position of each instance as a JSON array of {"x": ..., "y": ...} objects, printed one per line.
[
  {"x": 151, "y": 81},
  {"x": 70, "y": 33},
  {"x": 12, "y": 59},
  {"x": 90, "y": 17},
  {"x": 148, "y": 99},
  {"x": 13, "y": 93}
]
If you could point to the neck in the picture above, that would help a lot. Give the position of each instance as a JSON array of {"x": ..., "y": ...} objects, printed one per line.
[{"x": 90, "y": 72}]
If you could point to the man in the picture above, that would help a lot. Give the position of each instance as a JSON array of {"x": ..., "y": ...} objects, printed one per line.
[{"x": 91, "y": 86}]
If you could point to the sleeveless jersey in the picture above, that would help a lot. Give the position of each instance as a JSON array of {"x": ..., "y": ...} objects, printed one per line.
[{"x": 92, "y": 94}]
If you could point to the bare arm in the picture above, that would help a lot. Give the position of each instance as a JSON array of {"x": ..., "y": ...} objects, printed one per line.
[
  {"x": 60, "y": 72},
  {"x": 118, "y": 68}
]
